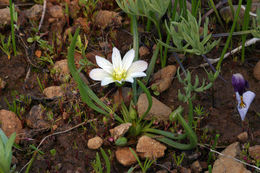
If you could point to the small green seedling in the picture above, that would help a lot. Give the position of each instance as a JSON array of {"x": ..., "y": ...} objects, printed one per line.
[
  {"x": 144, "y": 167},
  {"x": 6, "y": 46},
  {"x": 97, "y": 165},
  {"x": 53, "y": 152},
  {"x": 6, "y": 152},
  {"x": 178, "y": 159}
]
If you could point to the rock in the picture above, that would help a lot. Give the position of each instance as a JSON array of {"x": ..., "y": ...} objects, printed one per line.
[
  {"x": 257, "y": 70},
  {"x": 184, "y": 170},
  {"x": 56, "y": 11},
  {"x": 196, "y": 167},
  {"x": 62, "y": 69},
  {"x": 4, "y": 2},
  {"x": 10, "y": 123},
  {"x": 158, "y": 110},
  {"x": 83, "y": 22},
  {"x": 5, "y": 17},
  {"x": 125, "y": 156},
  {"x": 255, "y": 5},
  {"x": 35, "y": 12},
  {"x": 148, "y": 147},
  {"x": 255, "y": 152},
  {"x": 143, "y": 51},
  {"x": 163, "y": 78},
  {"x": 37, "y": 118},
  {"x": 95, "y": 143},
  {"x": 120, "y": 130},
  {"x": 2, "y": 84},
  {"x": 227, "y": 165},
  {"x": 226, "y": 12},
  {"x": 242, "y": 137},
  {"x": 162, "y": 171},
  {"x": 53, "y": 91},
  {"x": 105, "y": 18}
]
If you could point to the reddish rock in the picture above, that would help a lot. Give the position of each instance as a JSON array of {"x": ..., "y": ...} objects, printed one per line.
[
  {"x": 125, "y": 156},
  {"x": 10, "y": 123}
]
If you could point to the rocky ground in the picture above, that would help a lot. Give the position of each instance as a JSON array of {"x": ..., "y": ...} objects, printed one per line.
[{"x": 41, "y": 103}]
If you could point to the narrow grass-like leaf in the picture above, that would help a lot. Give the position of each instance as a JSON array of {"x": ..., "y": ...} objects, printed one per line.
[
  {"x": 166, "y": 133},
  {"x": 245, "y": 27},
  {"x": 86, "y": 93},
  {"x": 12, "y": 26},
  {"x": 149, "y": 98},
  {"x": 230, "y": 35},
  {"x": 108, "y": 166},
  {"x": 84, "y": 89},
  {"x": 188, "y": 131},
  {"x": 137, "y": 158},
  {"x": 216, "y": 12}
]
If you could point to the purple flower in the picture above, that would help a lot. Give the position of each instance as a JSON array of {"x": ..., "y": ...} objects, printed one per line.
[
  {"x": 239, "y": 83},
  {"x": 244, "y": 98}
]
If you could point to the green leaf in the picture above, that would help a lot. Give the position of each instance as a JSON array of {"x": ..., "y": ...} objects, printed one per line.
[
  {"x": 30, "y": 40},
  {"x": 121, "y": 141},
  {"x": 86, "y": 93},
  {"x": 149, "y": 98},
  {"x": 106, "y": 158}
]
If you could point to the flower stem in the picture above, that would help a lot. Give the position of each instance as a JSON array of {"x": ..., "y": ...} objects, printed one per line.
[
  {"x": 120, "y": 95},
  {"x": 136, "y": 48}
]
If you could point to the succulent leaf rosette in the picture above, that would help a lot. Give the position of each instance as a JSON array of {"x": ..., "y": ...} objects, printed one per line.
[
  {"x": 244, "y": 98},
  {"x": 119, "y": 71}
]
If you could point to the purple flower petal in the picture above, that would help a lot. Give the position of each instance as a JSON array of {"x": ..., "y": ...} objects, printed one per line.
[{"x": 239, "y": 83}]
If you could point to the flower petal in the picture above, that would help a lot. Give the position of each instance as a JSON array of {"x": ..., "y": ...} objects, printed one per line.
[
  {"x": 104, "y": 64},
  {"x": 136, "y": 74},
  {"x": 137, "y": 66},
  {"x": 128, "y": 59},
  {"x": 129, "y": 79},
  {"x": 248, "y": 97},
  {"x": 239, "y": 83},
  {"x": 107, "y": 81},
  {"x": 98, "y": 74},
  {"x": 116, "y": 59}
]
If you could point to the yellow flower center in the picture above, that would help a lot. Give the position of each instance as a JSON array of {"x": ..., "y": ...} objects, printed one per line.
[
  {"x": 119, "y": 74},
  {"x": 242, "y": 104}
]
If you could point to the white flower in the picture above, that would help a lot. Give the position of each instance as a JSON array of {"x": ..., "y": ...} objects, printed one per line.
[{"x": 120, "y": 70}]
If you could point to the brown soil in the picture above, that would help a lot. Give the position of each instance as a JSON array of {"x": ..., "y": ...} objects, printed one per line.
[{"x": 72, "y": 153}]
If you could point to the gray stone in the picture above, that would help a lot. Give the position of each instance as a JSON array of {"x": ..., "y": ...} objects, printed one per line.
[
  {"x": 224, "y": 164},
  {"x": 158, "y": 110},
  {"x": 120, "y": 130}
]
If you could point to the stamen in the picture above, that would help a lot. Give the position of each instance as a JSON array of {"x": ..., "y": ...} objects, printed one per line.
[
  {"x": 242, "y": 104},
  {"x": 119, "y": 74}
]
